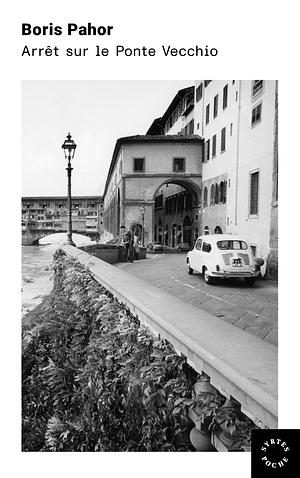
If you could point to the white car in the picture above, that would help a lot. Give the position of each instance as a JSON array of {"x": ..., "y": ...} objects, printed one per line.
[{"x": 223, "y": 256}]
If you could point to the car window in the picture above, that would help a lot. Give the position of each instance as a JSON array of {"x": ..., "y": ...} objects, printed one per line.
[
  {"x": 232, "y": 245},
  {"x": 206, "y": 247},
  {"x": 198, "y": 244}
]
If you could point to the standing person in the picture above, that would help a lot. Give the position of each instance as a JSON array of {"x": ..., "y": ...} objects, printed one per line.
[
  {"x": 125, "y": 240},
  {"x": 131, "y": 248},
  {"x": 136, "y": 245}
]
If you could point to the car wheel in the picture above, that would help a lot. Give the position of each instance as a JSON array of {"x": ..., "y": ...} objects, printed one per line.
[
  {"x": 250, "y": 280},
  {"x": 190, "y": 270},
  {"x": 207, "y": 278}
]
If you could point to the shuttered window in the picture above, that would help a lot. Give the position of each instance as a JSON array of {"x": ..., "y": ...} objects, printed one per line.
[
  {"x": 223, "y": 139},
  {"x": 254, "y": 183}
]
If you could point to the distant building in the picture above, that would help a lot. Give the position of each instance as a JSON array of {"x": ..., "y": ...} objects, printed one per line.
[
  {"x": 46, "y": 215},
  {"x": 179, "y": 117}
]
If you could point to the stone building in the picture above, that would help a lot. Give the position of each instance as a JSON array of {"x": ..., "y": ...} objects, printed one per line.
[
  {"x": 237, "y": 120},
  {"x": 143, "y": 166},
  {"x": 235, "y": 127}
]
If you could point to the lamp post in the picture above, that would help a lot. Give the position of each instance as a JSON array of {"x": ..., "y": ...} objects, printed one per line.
[
  {"x": 69, "y": 147},
  {"x": 143, "y": 224}
]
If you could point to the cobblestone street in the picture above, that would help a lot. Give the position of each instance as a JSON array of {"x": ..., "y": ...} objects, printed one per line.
[{"x": 253, "y": 309}]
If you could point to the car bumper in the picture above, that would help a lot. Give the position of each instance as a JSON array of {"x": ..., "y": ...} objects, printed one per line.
[{"x": 235, "y": 274}]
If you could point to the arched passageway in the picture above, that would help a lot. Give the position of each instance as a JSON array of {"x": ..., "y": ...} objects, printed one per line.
[{"x": 176, "y": 214}]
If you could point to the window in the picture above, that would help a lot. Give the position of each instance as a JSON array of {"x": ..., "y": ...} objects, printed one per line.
[
  {"x": 198, "y": 244},
  {"x": 223, "y": 139},
  {"x": 205, "y": 196},
  {"x": 207, "y": 114},
  {"x": 212, "y": 194},
  {"x": 138, "y": 165},
  {"x": 216, "y": 98},
  {"x": 218, "y": 230},
  {"x": 178, "y": 165},
  {"x": 232, "y": 245},
  {"x": 233, "y": 81},
  {"x": 254, "y": 182},
  {"x": 221, "y": 192},
  {"x": 217, "y": 194},
  {"x": 257, "y": 87},
  {"x": 191, "y": 127},
  {"x": 199, "y": 92},
  {"x": 206, "y": 151},
  {"x": 206, "y": 83},
  {"x": 230, "y": 129},
  {"x": 214, "y": 146},
  {"x": 225, "y": 97},
  {"x": 206, "y": 230},
  {"x": 256, "y": 115},
  {"x": 206, "y": 247}
]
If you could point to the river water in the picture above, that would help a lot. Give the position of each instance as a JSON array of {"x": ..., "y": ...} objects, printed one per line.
[{"x": 36, "y": 268}]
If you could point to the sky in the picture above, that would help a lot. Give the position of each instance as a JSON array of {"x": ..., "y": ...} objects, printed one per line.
[{"x": 96, "y": 113}]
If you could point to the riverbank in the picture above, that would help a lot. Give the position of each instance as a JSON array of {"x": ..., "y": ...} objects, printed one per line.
[
  {"x": 36, "y": 275},
  {"x": 36, "y": 268}
]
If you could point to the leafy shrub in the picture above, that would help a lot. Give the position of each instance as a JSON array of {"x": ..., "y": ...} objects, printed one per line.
[{"x": 94, "y": 379}]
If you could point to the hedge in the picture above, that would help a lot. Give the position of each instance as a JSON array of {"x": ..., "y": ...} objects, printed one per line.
[{"x": 95, "y": 379}]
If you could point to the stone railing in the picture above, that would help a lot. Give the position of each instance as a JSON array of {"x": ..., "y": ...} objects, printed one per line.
[
  {"x": 240, "y": 366},
  {"x": 111, "y": 253}
]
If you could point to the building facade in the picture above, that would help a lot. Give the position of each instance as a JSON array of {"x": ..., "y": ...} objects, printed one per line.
[
  {"x": 47, "y": 215},
  {"x": 236, "y": 123},
  {"x": 143, "y": 166}
]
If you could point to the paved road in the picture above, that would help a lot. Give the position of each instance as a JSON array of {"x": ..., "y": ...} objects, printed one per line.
[{"x": 254, "y": 309}]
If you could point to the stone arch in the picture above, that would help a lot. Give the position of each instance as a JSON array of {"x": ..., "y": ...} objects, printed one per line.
[
  {"x": 186, "y": 183},
  {"x": 218, "y": 230},
  {"x": 212, "y": 194},
  {"x": 216, "y": 193},
  {"x": 174, "y": 205},
  {"x": 221, "y": 192},
  {"x": 205, "y": 194}
]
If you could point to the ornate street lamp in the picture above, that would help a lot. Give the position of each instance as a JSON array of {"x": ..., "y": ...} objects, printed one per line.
[
  {"x": 69, "y": 147},
  {"x": 143, "y": 224}
]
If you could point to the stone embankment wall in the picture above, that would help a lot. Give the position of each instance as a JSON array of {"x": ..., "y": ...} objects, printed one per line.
[
  {"x": 164, "y": 404},
  {"x": 250, "y": 387},
  {"x": 110, "y": 253}
]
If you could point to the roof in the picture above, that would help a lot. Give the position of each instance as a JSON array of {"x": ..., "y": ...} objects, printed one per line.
[
  {"x": 169, "y": 138},
  {"x": 156, "y": 127},
  {"x": 58, "y": 198},
  {"x": 176, "y": 100}
]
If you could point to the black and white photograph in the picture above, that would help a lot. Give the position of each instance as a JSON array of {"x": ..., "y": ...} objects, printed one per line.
[
  {"x": 149, "y": 264},
  {"x": 147, "y": 326}
]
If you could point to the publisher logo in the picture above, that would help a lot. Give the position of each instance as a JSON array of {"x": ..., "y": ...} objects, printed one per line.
[{"x": 274, "y": 452}]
